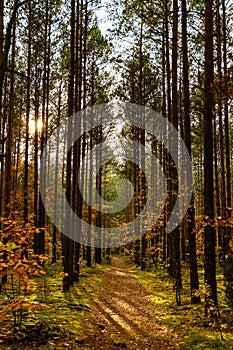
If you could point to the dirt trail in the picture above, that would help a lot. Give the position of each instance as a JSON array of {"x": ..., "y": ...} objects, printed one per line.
[{"x": 124, "y": 316}]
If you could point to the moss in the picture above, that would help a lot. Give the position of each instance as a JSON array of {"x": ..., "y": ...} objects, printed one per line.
[
  {"x": 187, "y": 321},
  {"x": 62, "y": 321}
]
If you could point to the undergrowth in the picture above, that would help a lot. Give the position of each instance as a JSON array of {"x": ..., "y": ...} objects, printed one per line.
[{"x": 59, "y": 325}]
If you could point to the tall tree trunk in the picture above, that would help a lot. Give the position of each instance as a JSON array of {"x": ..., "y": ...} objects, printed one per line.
[
  {"x": 194, "y": 283},
  {"x": 228, "y": 233},
  {"x": 216, "y": 189},
  {"x": 39, "y": 239},
  {"x": 36, "y": 144},
  {"x": 28, "y": 106},
  {"x": 55, "y": 209},
  {"x": 8, "y": 164},
  {"x": 142, "y": 180},
  {"x": 68, "y": 243},
  {"x": 175, "y": 253},
  {"x": 223, "y": 230},
  {"x": 168, "y": 71},
  {"x": 209, "y": 233}
]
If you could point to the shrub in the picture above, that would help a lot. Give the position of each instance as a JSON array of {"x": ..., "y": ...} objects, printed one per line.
[{"x": 17, "y": 268}]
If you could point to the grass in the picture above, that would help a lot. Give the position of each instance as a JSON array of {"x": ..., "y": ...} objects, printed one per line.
[
  {"x": 59, "y": 325},
  {"x": 187, "y": 321}
]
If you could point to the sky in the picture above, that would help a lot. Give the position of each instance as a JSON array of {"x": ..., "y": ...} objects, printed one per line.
[{"x": 103, "y": 17}]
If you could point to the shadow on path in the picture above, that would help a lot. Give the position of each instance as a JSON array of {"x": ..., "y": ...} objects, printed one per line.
[{"x": 124, "y": 316}]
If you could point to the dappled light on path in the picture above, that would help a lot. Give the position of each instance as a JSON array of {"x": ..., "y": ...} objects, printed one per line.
[{"x": 124, "y": 315}]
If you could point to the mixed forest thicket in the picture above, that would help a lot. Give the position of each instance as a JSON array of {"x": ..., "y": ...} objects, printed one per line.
[{"x": 174, "y": 57}]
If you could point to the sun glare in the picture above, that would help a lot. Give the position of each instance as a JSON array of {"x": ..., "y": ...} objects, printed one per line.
[{"x": 32, "y": 126}]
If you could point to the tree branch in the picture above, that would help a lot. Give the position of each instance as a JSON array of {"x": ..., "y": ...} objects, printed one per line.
[{"x": 17, "y": 73}]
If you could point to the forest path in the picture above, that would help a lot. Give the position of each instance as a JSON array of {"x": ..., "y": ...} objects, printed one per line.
[{"x": 124, "y": 316}]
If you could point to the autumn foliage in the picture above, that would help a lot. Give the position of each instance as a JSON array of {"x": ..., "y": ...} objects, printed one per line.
[{"x": 19, "y": 269}]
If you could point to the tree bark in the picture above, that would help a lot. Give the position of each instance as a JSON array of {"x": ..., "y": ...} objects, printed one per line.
[
  {"x": 194, "y": 282},
  {"x": 209, "y": 233},
  {"x": 175, "y": 235}
]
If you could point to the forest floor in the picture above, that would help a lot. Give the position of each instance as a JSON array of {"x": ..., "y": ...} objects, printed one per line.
[
  {"x": 124, "y": 315},
  {"x": 119, "y": 306}
]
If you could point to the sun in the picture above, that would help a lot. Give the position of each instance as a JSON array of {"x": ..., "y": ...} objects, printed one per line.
[{"x": 32, "y": 126}]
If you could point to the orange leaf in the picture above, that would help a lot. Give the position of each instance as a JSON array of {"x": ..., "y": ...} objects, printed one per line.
[
  {"x": 25, "y": 260},
  {"x": 17, "y": 265}
]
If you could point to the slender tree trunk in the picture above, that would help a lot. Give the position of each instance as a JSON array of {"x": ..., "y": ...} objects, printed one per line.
[
  {"x": 68, "y": 244},
  {"x": 28, "y": 106},
  {"x": 168, "y": 73},
  {"x": 89, "y": 214},
  {"x": 223, "y": 231},
  {"x": 209, "y": 234},
  {"x": 36, "y": 145},
  {"x": 54, "y": 244},
  {"x": 216, "y": 175},
  {"x": 228, "y": 233},
  {"x": 9, "y": 144},
  {"x": 176, "y": 266},
  {"x": 77, "y": 144},
  {"x": 8, "y": 164},
  {"x": 194, "y": 282},
  {"x": 142, "y": 180},
  {"x": 39, "y": 239}
]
